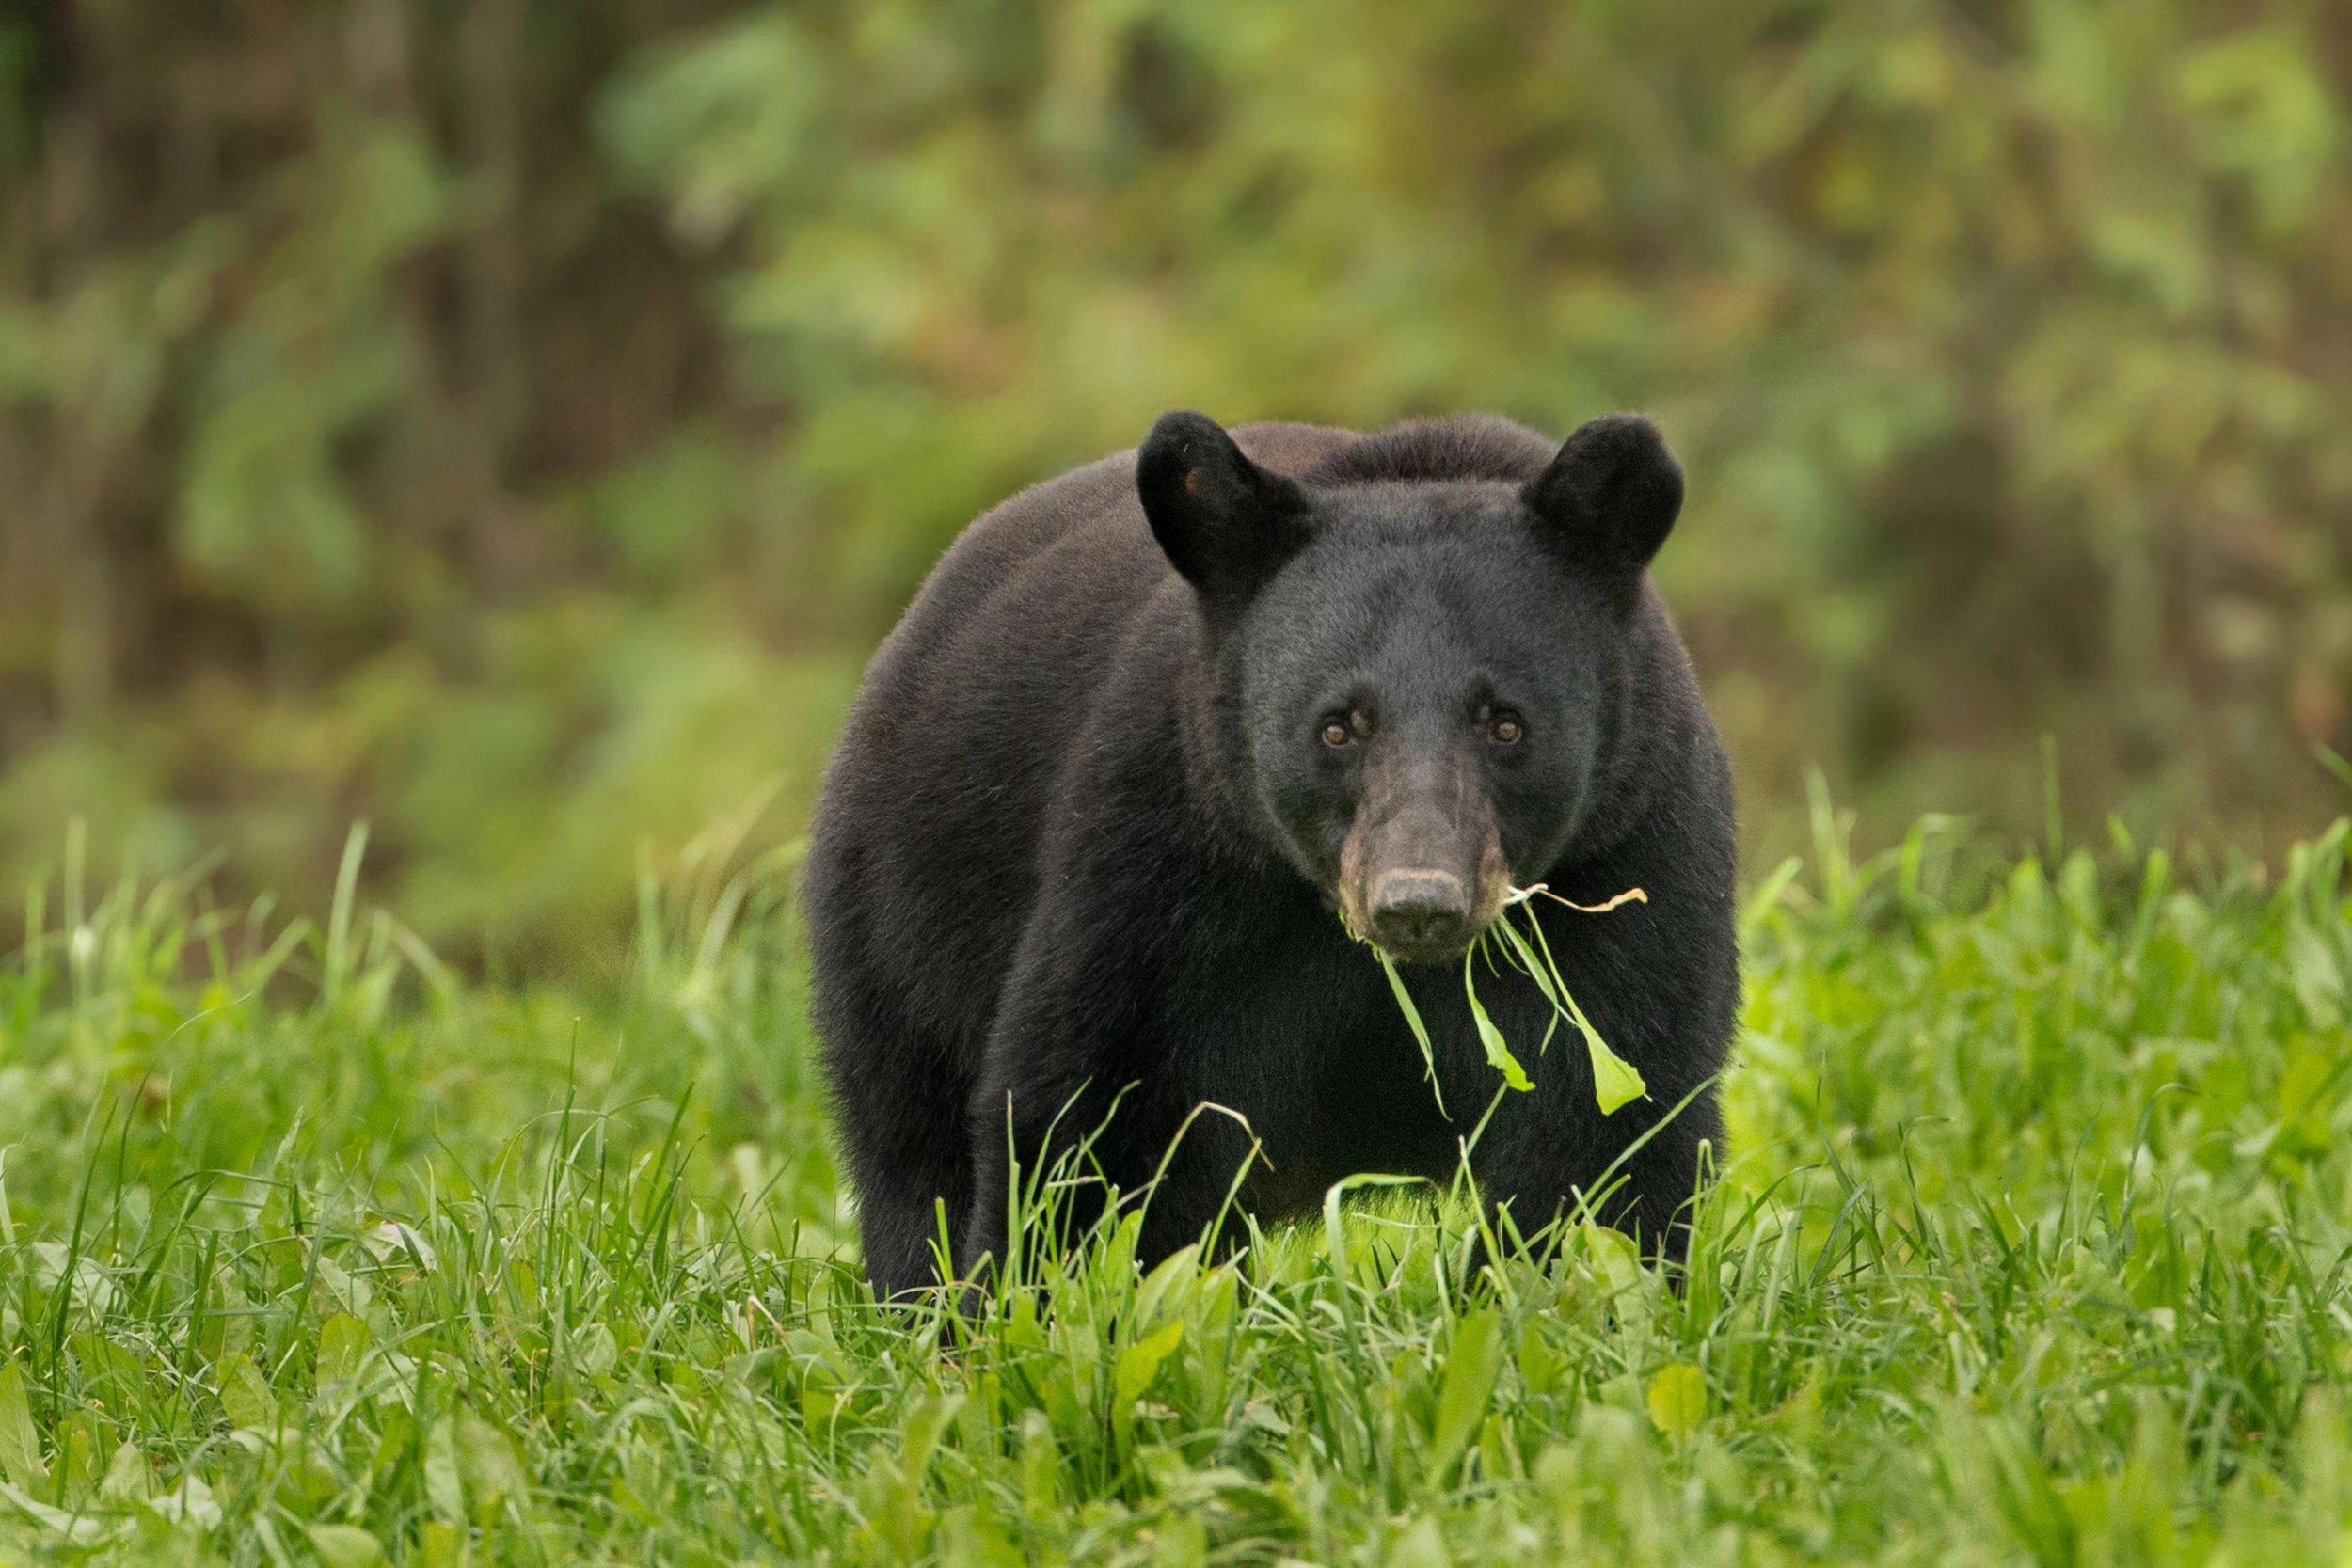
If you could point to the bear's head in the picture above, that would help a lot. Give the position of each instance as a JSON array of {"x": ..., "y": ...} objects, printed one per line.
[{"x": 1417, "y": 676}]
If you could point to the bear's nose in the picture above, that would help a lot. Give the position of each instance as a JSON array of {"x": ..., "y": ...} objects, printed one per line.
[{"x": 1419, "y": 911}]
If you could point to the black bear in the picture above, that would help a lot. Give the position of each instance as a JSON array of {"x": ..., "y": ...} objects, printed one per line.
[{"x": 1161, "y": 738}]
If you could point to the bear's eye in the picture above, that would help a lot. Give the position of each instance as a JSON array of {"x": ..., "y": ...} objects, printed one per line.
[
  {"x": 1505, "y": 728},
  {"x": 1336, "y": 733}
]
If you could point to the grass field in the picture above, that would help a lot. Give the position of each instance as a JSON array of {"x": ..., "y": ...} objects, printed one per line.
[{"x": 2030, "y": 1247}]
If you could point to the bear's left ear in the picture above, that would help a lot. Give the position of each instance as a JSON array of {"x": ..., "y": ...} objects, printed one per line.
[
  {"x": 1612, "y": 495},
  {"x": 1226, "y": 524}
]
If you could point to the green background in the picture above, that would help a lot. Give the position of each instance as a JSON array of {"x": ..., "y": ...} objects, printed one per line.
[{"x": 511, "y": 422}]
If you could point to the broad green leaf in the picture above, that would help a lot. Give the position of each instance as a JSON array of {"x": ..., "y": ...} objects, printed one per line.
[
  {"x": 188, "y": 1501},
  {"x": 1616, "y": 1083},
  {"x": 1498, "y": 1052},
  {"x": 919, "y": 1439},
  {"x": 344, "y": 1290},
  {"x": 19, "y": 1442},
  {"x": 1471, "y": 1366},
  {"x": 1040, "y": 1466},
  {"x": 78, "y": 1528},
  {"x": 443, "y": 1486},
  {"x": 1677, "y": 1400},
  {"x": 1167, "y": 1282},
  {"x": 244, "y": 1395},
  {"x": 343, "y": 1342},
  {"x": 1422, "y": 1546},
  {"x": 128, "y": 1477},
  {"x": 1137, "y": 1365},
  {"x": 76, "y": 1438},
  {"x": 900, "y": 1517},
  {"x": 440, "y": 1544},
  {"x": 595, "y": 1352},
  {"x": 344, "y": 1546},
  {"x": 491, "y": 1470}
]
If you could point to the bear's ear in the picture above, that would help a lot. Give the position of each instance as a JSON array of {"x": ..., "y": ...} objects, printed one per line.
[
  {"x": 1612, "y": 495},
  {"x": 1226, "y": 524}
]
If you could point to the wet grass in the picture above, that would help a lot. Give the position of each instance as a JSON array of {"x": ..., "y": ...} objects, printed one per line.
[{"x": 2030, "y": 1249}]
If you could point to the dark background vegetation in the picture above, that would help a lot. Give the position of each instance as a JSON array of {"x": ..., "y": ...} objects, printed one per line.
[{"x": 511, "y": 421}]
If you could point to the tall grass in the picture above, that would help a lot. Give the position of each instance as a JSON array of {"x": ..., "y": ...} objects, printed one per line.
[{"x": 2029, "y": 1248}]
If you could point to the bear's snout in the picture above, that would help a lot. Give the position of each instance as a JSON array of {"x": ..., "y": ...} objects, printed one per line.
[
  {"x": 1421, "y": 911},
  {"x": 1421, "y": 872}
]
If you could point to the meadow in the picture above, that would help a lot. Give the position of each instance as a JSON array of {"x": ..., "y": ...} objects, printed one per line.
[
  {"x": 2029, "y": 1248},
  {"x": 513, "y": 424}
]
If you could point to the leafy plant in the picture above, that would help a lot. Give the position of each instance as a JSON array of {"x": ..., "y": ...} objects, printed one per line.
[
  {"x": 1615, "y": 1081},
  {"x": 2024, "y": 1249}
]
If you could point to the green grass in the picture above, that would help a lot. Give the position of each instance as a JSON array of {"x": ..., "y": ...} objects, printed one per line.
[{"x": 2031, "y": 1248}]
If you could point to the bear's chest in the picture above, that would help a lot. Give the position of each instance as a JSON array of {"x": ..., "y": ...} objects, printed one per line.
[{"x": 1305, "y": 1041}]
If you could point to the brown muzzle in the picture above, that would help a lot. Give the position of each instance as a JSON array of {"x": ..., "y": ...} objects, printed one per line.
[{"x": 1421, "y": 872}]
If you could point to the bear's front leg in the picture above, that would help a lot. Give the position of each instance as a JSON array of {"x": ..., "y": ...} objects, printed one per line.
[
  {"x": 1077, "y": 1103},
  {"x": 1039, "y": 1136},
  {"x": 1061, "y": 1150}
]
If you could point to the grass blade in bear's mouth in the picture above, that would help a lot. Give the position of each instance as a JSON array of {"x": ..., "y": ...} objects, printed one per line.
[
  {"x": 1616, "y": 1083},
  {"x": 1498, "y": 1051},
  {"x": 1413, "y": 1020}
]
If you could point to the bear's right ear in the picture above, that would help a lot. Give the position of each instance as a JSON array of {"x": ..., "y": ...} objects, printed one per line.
[{"x": 1226, "y": 524}]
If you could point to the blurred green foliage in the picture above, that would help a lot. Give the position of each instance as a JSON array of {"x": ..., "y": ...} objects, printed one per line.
[{"x": 510, "y": 422}]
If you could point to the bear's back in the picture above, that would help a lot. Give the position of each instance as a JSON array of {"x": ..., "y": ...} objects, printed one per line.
[{"x": 1050, "y": 573}]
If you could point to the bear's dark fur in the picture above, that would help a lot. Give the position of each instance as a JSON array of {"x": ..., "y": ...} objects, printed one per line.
[{"x": 1150, "y": 726}]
